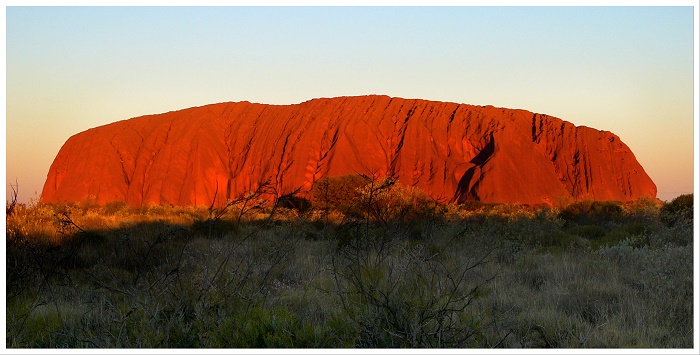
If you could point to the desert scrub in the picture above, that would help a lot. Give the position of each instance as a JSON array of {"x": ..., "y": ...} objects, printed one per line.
[
  {"x": 592, "y": 300},
  {"x": 662, "y": 285},
  {"x": 31, "y": 223},
  {"x": 399, "y": 293},
  {"x": 407, "y": 275},
  {"x": 680, "y": 208}
]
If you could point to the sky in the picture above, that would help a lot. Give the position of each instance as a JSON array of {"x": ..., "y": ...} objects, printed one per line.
[{"x": 628, "y": 70}]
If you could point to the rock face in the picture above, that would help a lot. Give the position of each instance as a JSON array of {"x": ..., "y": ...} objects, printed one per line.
[{"x": 454, "y": 152}]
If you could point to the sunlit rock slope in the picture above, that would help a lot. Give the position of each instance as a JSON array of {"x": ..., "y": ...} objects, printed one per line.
[{"x": 455, "y": 152}]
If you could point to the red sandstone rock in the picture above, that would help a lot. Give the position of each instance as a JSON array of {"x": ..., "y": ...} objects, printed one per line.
[{"x": 456, "y": 152}]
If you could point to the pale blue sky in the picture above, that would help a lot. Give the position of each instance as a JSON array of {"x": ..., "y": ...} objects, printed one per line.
[{"x": 628, "y": 70}]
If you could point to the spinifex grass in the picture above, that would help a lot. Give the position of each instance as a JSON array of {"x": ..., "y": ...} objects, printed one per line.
[{"x": 473, "y": 276}]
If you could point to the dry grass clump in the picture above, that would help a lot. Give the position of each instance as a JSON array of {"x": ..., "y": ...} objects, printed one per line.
[{"x": 395, "y": 269}]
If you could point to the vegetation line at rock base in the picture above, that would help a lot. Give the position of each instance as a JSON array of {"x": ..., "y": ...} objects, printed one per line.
[{"x": 385, "y": 267}]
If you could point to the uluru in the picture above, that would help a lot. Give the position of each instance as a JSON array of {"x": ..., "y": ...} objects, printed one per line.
[{"x": 454, "y": 152}]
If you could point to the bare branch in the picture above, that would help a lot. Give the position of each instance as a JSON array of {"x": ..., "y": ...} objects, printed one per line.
[{"x": 10, "y": 206}]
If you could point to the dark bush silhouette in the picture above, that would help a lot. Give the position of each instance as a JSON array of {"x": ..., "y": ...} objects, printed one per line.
[
  {"x": 590, "y": 212},
  {"x": 602, "y": 211},
  {"x": 680, "y": 207},
  {"x": 294, "y": 202},
  {"x": 407, "y": 271},
  {"x": 338, "y": 193}
]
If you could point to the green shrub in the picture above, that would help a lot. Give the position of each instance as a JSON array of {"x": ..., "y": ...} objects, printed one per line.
[
  {"x": 590, "y": 232},
  {"x": 183, "y": 277},
  {"x": 680, "y": 233},
  {"x": 576, "y": 212},
  {"x": 404, "y": 295},
  {"x": 263, "y": 328},
  {"x": 639, "y": 228},
  {"x": 680, "y": 207},
  {"x": 598, "y": 236},
  {"x": 593, "y": 304},
  {"x": 556, "y": 241},
  {"x": 643, "y": 209},
  {"x": 613, "y": 237},
  {"x": 601, "y": 211}
]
